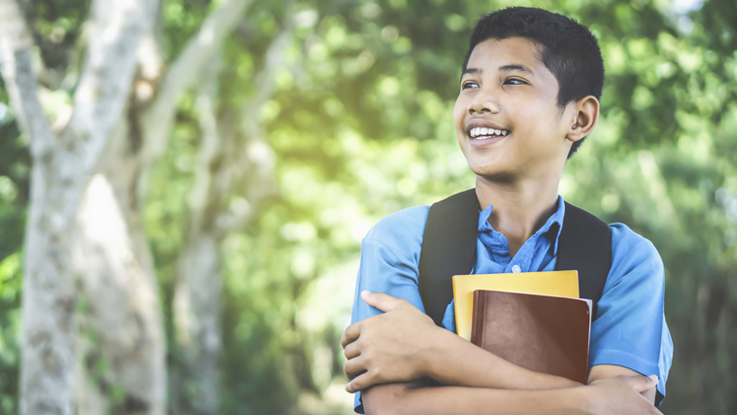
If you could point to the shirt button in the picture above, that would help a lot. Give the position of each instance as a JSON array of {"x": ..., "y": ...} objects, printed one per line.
[{"x": 516, "y": 268}]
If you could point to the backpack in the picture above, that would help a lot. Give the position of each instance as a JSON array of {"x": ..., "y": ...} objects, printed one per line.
[{"x": 449, "y": 248}]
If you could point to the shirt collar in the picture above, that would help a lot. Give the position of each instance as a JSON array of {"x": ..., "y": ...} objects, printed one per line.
[{"x": 551, "y": 229}]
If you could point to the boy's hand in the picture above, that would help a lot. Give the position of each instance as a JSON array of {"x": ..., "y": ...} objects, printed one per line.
[
  {"x": 387, "y": 348},
  {"x": 620, "y": 395}
]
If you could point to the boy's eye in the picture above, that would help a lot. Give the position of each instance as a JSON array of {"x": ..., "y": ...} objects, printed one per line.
[
  {"x": 468, "y": 84},
  {"x": 514, "y": 81}
]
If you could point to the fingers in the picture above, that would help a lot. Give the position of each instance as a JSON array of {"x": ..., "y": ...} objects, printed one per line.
[
  {"x": 352, "y": 350},
  {"x": 354, "y": 367},
  {"x": 363, "y": 381},
  {"x": 643, "y": 383},
  {"x": 356, "y": 370},
  {"x": 383, "y": 302},
  {"x": 355, "y": 385},
  {"x": 351, "y": 334}
]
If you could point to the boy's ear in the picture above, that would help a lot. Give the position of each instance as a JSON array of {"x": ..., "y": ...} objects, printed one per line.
[{"x": 585, "y": 117}]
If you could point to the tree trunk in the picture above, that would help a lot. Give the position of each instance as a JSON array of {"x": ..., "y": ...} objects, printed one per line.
[
  {"x": 86, "y": 250},
  {"x": 124, "y": 369},
  {"x": 62, "y": 166},
  {"x": 123, "y": 353},
  {"x": 197, "y": 299},
  {"x": 231, "y": 159}
]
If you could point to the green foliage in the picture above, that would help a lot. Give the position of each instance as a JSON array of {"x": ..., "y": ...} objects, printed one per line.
[
  {"x": 181, "y": 20},
  {"x": 10, "y": 288},
  {"x": 14, "y": 172},
  {"x": 57, "y": 28}
]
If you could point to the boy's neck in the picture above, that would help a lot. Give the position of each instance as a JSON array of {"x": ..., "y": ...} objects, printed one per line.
[{"x": 520, "y": 208}]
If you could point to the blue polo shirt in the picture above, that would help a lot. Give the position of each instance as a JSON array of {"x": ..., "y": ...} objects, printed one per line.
[{"x": 629, "y": 329}]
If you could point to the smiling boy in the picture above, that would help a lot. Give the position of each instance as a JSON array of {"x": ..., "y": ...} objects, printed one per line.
[{"x": 529, "y": 95}]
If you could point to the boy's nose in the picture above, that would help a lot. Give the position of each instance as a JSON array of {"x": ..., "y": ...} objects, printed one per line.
[{"x": 483, "y": 102}]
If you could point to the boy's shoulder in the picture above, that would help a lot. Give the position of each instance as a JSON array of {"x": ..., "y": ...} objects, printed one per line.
[
  {"x": 396, "y": 241},
  {"x": 625, "y": 240},
  {"x": 402, "y": 231},
  {"x": 407, "y": 223},
  {"x": 633, "y": 257}
]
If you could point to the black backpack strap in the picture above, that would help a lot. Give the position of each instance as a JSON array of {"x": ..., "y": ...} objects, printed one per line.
[
  {"x": 448, "y": 248},
  {"x": 585, "y": 244}
]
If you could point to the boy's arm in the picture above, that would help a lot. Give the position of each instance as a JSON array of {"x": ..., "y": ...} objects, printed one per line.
[
  {"x": 619, "y": 395},
  {"x": 404, "y": 344},
  {"x": 404, "y": 359},
  {"x": 630, "y": 334},
  {"x": 637, "y": 274}
]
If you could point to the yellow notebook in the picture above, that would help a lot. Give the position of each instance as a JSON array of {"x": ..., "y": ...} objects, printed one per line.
[{"x": 559, "y": 283}]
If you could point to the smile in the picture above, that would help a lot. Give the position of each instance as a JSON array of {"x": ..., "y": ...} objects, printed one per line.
[{"x": 481, "y": 132}]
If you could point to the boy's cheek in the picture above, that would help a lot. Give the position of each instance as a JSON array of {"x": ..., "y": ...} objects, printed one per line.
[{"x": 459, "y": 114}]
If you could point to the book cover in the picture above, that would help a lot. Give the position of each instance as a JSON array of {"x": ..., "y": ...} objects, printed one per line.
[
  {"x": 544, "y": 333},
  {"x": 559, "y": 283}
]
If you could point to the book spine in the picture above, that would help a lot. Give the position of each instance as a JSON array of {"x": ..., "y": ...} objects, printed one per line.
[{"x": 477, "y": 319}]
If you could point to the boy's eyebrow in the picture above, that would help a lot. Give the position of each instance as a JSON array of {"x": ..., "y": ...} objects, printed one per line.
[
  {"x": 503, "y": 68},
  {"x": 470, "y": 71},
  {"x": 516, "y": 67}
]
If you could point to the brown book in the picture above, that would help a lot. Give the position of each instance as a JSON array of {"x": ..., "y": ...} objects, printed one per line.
[{"x": 539, "y": 332}]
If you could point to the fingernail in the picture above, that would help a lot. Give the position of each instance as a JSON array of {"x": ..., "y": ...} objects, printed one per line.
[
  {"x": 364, "y": 293},
  {"x": 654, "y": 378}
]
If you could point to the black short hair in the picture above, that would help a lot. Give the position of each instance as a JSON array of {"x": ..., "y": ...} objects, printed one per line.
[{"x": 568, "y": 49}]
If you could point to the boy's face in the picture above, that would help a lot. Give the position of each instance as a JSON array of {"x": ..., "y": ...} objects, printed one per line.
[{"x": 507, "y": 120}]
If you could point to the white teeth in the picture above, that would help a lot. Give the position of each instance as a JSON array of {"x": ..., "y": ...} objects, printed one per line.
[{"x": 485, "y": 132}]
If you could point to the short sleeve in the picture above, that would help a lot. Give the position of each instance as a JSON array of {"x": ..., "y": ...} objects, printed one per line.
[
  {"x": 390, "y": 256},
  {"x": 630, "y": 328}
]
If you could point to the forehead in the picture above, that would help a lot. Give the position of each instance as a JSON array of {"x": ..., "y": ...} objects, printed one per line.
[{"x": 492, "y": 54}]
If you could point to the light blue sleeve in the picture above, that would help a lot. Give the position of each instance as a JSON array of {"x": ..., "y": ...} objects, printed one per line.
[
  {"x": 390, "y": 256},
  {"x": 630, "y": 328}
]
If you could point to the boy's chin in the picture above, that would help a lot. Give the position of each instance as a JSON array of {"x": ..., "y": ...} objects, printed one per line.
[{"x": 493, "y": 173}]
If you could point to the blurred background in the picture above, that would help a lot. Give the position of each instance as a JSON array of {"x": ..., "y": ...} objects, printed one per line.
[{"x": 250, "y": 145}]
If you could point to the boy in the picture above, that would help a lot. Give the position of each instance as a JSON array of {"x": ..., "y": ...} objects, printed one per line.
[{"x": 529, "y": 96}]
